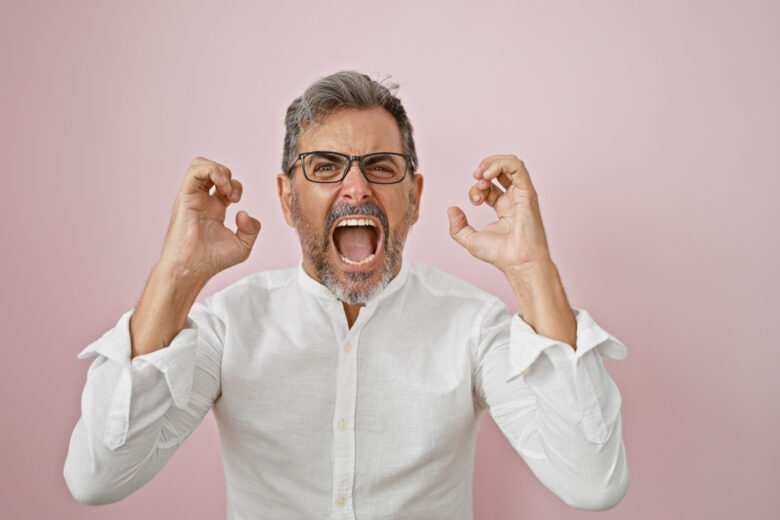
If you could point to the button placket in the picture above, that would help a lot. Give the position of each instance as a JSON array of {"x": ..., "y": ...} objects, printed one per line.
[{"x": 343, "y": 427}]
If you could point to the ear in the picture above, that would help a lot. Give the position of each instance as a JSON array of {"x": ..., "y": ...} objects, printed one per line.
[
  {"x": 418, "y": 188},
  {"x": 284, "y": 186}
]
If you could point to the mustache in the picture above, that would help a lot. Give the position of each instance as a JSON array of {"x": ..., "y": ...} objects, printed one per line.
[{"x": 369, "y": 209}]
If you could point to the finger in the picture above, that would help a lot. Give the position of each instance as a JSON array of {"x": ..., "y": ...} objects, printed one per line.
[
  {"x": 460, "y": 230},
  {"x": 477, "y": 194},
  {"x": 247, "y": 228},
  {"x": 238, "y": 189},
  {"x": 221, "y": 197},
  {"x": 490, "y": 195},
  {"x": 487, "y": 161},
  {"x": 513, "y": 169},
  {"x": 202, "y": 174},
  {"x": 493, "y": 195},
  {"x": 235, "y": 194}
]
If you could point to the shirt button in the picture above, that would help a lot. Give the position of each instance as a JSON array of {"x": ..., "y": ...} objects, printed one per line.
[
  {"x": 525, "y": 372},
  {"x": 342, "y": 425},
  {"x": 578, "y": 362},
  {"x": 347, "y": 347},
  {"x": 341, "y": 501}
]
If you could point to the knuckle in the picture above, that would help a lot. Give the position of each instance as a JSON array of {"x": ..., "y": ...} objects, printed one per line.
[{"x": 218, "y": 175}]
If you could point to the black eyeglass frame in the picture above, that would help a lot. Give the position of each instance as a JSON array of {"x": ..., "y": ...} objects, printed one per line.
[{"x": 350, "y": 158}]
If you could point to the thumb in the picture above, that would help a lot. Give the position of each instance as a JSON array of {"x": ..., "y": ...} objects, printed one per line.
[
  {"x": 460, "y": 230},
  {"x": 247, "y": 228}
]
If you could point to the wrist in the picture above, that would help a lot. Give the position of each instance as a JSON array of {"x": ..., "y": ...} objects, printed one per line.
[
  {"x": 162, "y": 310},
  {"x": 180, "y": 285},
  {"x": 540, "y": 294},
  {"x": 532, "y": 274}
]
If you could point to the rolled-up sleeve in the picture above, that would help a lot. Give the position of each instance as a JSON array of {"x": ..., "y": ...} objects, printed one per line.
[
  {"x": 135, "y": 413},
  {"x": 559, "y": 408}
]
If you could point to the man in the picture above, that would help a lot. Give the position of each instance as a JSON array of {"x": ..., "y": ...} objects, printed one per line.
[{"x": 354, "y": 385}]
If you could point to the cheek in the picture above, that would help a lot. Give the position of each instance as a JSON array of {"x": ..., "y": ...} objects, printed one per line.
[
  {"x": 398, "y": 212},
  {"x": 314, "y": 206}
]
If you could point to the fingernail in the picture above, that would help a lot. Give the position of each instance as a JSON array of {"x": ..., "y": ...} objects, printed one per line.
[{"x": 475, "y": 198}]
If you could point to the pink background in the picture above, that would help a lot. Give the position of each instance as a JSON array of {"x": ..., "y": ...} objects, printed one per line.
[{"x": 650, "y": 131}]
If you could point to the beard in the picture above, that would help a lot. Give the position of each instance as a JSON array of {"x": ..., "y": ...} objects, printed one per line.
[{"x": 354, "y": 287}]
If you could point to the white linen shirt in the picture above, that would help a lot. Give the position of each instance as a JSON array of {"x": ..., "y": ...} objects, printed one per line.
[{"x": 377, "y": 421}]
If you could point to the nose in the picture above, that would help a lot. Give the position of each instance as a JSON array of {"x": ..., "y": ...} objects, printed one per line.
[{"x": 355, "y": 189}]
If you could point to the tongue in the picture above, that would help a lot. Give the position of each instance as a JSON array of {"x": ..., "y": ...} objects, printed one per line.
[{"x": 354, "y": 242}]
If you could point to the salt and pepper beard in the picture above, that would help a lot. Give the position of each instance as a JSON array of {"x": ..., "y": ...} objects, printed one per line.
[{"x": 316, "y": 248}]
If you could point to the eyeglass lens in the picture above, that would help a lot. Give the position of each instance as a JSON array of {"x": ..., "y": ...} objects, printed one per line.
[{"x": 378, "y": 167}]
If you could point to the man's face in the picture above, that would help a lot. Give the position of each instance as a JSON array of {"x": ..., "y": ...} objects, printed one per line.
[{"x": 352, "y": 233}]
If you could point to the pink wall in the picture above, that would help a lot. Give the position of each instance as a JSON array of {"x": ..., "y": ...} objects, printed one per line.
[{"x": 650, "y": 132}]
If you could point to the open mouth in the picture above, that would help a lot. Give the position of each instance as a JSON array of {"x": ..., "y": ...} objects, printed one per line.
[{"x": 357, "y": 240}]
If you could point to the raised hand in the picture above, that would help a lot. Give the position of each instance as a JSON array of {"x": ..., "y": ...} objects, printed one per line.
[
  {"x": 198, "y": 245},
  {"x": 516, "y": 241}
]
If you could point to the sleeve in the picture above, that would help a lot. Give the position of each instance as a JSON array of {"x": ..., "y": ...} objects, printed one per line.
[
  {"x": 135, "y": 413},
  {"x": 558, "y": 407}
]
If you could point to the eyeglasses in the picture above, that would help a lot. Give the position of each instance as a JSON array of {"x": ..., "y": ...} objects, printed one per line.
[{"x": 379, "y": 167}]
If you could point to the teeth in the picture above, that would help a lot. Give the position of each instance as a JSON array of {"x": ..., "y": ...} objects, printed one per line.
[
  {"x": 362, "y": 262},
  {"x": 356, "y": 222}
]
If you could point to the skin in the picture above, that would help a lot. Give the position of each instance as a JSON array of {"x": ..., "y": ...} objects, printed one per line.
[
  {"x": 197, "y": 246},
  {"x": 354, "y": 132},
  {"x": 516, "y": 244}
]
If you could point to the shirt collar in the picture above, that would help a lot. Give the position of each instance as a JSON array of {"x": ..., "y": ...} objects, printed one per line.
[{"x": 317, "y": 289}]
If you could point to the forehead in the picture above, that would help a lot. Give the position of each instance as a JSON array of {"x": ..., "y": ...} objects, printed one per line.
[{"x": 353, "y": 131}]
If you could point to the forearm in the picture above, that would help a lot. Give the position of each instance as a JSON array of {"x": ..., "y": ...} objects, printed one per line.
[
  {"x": 579, "y": 427},
  {"x": 162, "y": 311},
  {"x": 135, "y": 413},
  {"x": 584, "y": 474},
  {"x": 114, "y": 448},
  {"x": 543, "y": 303}
]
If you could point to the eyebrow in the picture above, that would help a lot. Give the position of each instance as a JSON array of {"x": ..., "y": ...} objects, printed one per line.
[
  {"x": 330, "y": 155},
  {"x": 376, "y": 158}
]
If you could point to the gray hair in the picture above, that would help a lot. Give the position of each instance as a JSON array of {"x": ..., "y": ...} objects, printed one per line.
[{"x": 345, "y": 89}]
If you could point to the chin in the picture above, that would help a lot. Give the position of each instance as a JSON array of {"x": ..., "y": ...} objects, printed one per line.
[{"x": 356, "y": 286}]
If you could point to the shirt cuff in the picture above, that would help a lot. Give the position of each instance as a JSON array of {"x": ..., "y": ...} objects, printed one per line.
[
  {"x": 527, "y": 344},
  {"x": 176, "y": 361}
]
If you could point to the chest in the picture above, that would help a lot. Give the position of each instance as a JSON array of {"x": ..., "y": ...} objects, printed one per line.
[{"x": 379, "y": 379}]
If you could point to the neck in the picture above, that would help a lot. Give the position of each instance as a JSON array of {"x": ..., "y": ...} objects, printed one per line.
[{"x": 352, "y": 311}]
